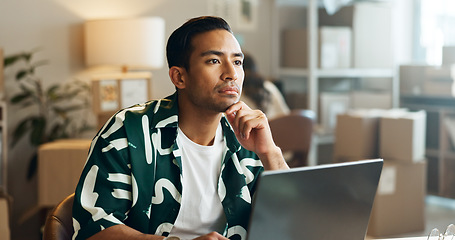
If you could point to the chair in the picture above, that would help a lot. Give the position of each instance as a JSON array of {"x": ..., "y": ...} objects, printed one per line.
[
  {"x": 293, "y": 133},
  {"x": 59, "y": 222}
]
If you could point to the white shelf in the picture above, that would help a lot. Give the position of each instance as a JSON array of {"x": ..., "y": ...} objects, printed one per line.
[
  {"x": 298, "y": 3},
  {"x": 339, "y": 73},
  {"x": 312, "y": 74}
]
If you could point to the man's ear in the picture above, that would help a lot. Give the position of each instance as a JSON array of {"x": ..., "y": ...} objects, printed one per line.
[{"x": 177, "y": 75}]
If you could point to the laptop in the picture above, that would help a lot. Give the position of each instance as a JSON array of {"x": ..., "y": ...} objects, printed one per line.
[{"x": 331, "y": 201}]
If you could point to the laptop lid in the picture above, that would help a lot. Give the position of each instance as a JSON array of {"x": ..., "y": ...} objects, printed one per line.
[{"x": 331, "y": 201}]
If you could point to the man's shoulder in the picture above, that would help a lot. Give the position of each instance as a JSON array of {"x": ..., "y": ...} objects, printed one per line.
[{"x": 152, "y": 114}]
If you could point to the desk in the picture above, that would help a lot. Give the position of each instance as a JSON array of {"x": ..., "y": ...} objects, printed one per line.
[{"x": 407, "y": 238}]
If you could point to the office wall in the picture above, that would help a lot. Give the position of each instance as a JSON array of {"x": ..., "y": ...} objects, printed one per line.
[{"x": 55, "y": 27}]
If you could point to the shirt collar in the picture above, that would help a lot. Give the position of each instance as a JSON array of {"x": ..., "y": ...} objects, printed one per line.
[{"x": 167, "y": 108}]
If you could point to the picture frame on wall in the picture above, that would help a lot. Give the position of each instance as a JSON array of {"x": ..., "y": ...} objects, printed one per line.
[
  {"x": 242, "y": 15},
  {"x": 112, "y": 92}
]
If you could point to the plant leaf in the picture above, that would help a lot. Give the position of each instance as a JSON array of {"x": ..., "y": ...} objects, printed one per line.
[
  {"x": 10, "y": 60},
  {"x": 20, "y": 130},
  {"x": 38, "y": 129},
  {"x": 32, "y": 166},
  {"x": 20, "y": 97},
  {"x": 22, "y": 73}
]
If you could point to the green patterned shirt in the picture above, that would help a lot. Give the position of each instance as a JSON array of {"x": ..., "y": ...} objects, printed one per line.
[{"x": 133, "y": 175}]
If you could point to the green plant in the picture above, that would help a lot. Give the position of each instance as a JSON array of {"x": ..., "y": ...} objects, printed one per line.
[{"x": 54, "y": 112}]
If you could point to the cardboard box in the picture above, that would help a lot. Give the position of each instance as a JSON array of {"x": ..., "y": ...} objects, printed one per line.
[
  {"x": 334, "y": 48},
  {"x": 438, "y": 81},
  {"x": 399, "y": 205},
  {"x": 294, "y": 45},
  {"x": 356, "y": 136},
  {"x": 412, "y": 78},
  {"x": 4, "y": 219},
  {"x": 370, "y": 99},
  {"x": 371, "y": 25},
  {"x": 60, "y": 165},
  {"x": 332, "y": 104},
  {"x": 402, "y": 136}
]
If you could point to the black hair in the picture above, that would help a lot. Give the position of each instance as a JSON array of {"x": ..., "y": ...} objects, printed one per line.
[{"x": 179, "y": 46}]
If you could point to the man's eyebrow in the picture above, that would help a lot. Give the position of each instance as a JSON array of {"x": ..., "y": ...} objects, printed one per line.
[{"x": 219, "y": 53}]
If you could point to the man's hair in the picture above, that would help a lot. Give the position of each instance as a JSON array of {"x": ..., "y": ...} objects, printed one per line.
[{"x": 179, "y": 47}]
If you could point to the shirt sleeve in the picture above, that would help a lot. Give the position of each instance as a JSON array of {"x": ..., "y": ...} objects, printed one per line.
[{"x": 103, "y": 195}]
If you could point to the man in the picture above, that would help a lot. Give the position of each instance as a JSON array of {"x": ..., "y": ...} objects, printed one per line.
[{"x": 182, "y": 166}]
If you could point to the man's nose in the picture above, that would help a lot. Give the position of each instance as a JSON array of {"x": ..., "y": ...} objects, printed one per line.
[{"x": 229, "y": 73}]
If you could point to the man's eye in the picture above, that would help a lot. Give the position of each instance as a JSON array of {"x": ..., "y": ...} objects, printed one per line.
[
  {"x": 213, "y": 61},
  {"x": 238, "y": 63}
]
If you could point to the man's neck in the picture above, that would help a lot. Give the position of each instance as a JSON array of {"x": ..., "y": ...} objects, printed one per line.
[{"x": 198, "y": 125}]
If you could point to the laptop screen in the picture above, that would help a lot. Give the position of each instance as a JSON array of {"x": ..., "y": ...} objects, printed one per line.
[{"x": 331, "y": 201}]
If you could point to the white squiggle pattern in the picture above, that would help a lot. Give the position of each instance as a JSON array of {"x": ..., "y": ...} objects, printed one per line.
[
  {"x": 165, "y": 183},
  {"x": 121, "y": 194},
  {"x": 135, "y": 190},
  {"x": 221, "y": 187},
  {"x": 89, "y": 196},
  {"x": 237, "y": 230},
  {"x": 165, "y": 122},
  {"x": 147, "y": 142},
  {"x": 249, "y": 176},
  {"x": 156, "y": 138},
  {"x": 119, "y": 177},
  {"x": 118, "y": 144},
  {"x": 236, "y": 162},
  {"x": 119, "y": 118},
  {"x": 246, "y": 194},
  {"x": 162, "y": 228},
  {"x": 157, "y": 106},
  {"x": 76, "y": 227}
]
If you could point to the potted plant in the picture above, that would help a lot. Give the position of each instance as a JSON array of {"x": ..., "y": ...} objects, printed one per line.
[{"x": 52, "y": 110}]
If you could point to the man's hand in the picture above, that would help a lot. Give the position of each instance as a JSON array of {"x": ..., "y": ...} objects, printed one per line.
[
  {"x": 211, "y": 236},
  {"x": 252, "y": 130}
]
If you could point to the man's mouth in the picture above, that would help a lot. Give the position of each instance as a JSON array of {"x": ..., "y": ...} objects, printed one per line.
[{"x": 229, "y": 90}]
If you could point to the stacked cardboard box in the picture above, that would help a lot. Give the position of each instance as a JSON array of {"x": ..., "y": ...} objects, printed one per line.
[
  {"x": 427, "y": 80},
  {"x": 331, "y": 105},
  {"x": 397, "y": 136},
  {"x": 60, "y": 165},
  {"x": 334, "y": 47},
  {"x": 356, "y": 135},
  {"x": 400, "y": 200},
  {"x": 371, "y": 25},
  {"x": 402, "y": 136}
]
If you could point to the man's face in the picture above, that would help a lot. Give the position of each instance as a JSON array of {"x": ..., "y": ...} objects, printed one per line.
[{"x": 215, "y": 75}]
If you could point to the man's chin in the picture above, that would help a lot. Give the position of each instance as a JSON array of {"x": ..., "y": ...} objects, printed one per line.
[{"x": 225, "y": 106}]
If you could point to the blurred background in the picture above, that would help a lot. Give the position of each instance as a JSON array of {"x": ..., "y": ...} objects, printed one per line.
[{"x": 65, "y": 72}]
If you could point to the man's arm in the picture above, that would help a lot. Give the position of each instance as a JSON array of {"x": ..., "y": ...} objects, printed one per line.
[
  {"x": 253, "y": 132},
  {"x": 122, "y": 232}
]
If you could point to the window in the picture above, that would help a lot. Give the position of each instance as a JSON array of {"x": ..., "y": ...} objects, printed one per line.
[{"x": 437, "y": 28}]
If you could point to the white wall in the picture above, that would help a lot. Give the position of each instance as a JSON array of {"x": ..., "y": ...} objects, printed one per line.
[{"x": 55, "y": 26}]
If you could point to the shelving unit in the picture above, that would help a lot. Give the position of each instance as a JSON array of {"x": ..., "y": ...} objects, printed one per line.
[
  {"x": 439, "y": 151},
  {"x": 312, "y": 74}
]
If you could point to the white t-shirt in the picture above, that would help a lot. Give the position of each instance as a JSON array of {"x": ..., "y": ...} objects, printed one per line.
[{"x": 201, "y": 211}]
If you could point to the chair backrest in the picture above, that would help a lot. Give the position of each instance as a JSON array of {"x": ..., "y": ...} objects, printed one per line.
[
  {"x": 293, "y": 133},
  {"x": 59, "y": 222}
]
